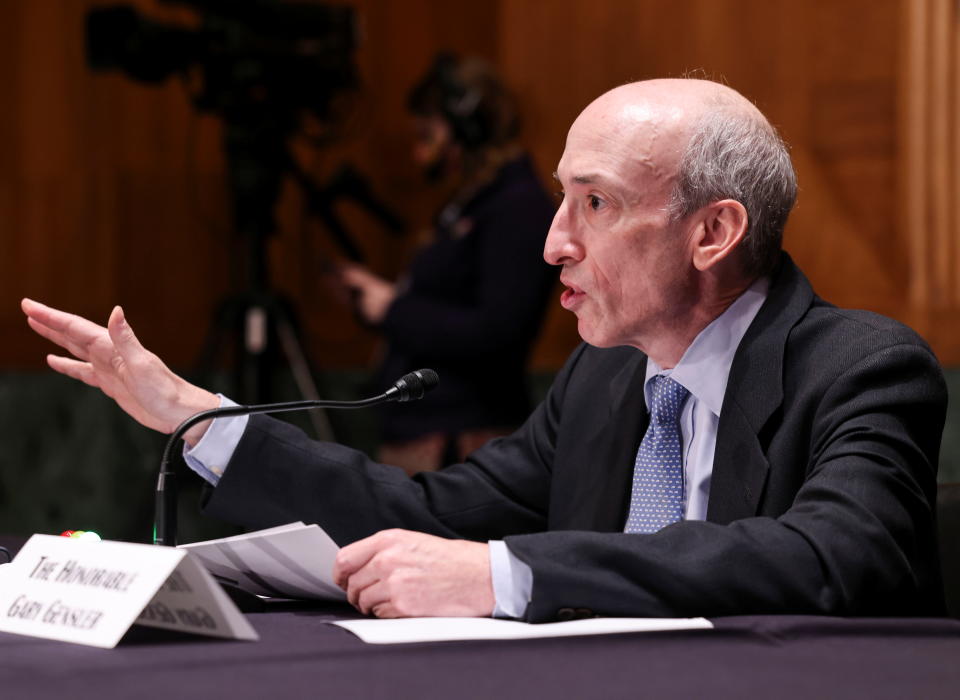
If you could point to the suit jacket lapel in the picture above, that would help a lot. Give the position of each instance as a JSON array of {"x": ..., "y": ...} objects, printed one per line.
[
  {"x": 603, "y": 483},
  {"x": 754, "y": 392}
]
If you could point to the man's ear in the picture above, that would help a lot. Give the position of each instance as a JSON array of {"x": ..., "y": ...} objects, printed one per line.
[{"x": 720, "y": 228}]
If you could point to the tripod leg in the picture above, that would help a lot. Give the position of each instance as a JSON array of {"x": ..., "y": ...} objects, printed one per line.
[
  {"x": 254, "y": 368},
  {"x": 302, "y": 376},
  {"x": 231, "y": 322}
]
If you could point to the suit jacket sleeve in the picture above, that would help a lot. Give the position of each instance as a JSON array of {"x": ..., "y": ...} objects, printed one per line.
[{"x": 278, "y": 475}]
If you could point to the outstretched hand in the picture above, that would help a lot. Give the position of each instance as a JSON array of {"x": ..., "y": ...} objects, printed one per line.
[
  {"x": 114, "y": 361},
  {"x": 399, "y": 573}
]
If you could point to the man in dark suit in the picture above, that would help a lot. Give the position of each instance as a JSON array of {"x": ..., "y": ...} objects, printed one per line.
[{"x": 724, "y": 443}]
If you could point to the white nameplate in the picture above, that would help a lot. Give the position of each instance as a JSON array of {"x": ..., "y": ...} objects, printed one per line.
[{"x": 92, "y": 592}]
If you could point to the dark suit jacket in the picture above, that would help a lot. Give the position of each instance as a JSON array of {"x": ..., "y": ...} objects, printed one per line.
[{"x": 821, "y": 501}]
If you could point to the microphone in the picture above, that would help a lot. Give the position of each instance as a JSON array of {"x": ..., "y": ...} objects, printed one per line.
[{"x": 409, "y": 387}]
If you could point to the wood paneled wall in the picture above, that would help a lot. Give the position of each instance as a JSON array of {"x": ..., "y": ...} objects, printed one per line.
[
  {"x": 824, "y": 72},
  {"x": 112, "y": 191}
]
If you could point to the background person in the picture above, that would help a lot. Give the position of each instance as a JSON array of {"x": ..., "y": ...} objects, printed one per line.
[{"x": 472, "y": 301}]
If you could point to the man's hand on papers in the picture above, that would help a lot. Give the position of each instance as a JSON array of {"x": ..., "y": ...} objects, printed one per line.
[
  {"x": 399, "y": 573},
  {"x": 114, "y": 361}
]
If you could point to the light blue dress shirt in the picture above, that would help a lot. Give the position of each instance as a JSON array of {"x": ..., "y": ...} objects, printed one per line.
[{"x": 703, "y": 371}]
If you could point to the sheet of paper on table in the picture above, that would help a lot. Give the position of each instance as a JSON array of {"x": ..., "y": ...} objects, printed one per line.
[{"x": 448, "y": 629}]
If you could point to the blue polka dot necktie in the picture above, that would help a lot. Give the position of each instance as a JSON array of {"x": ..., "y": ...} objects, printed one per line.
[{"x": 657, "y": 496}]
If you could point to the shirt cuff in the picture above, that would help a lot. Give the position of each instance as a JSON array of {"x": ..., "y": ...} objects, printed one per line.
[
  {"x": 210, "y": 456},
  {"x": 512, "y": 581}
]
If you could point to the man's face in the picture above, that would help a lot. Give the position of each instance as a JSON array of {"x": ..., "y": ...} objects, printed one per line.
[{"x": 627, "y": 270}]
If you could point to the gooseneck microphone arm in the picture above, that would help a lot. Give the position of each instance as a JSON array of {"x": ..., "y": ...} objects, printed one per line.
[{"x": 409, "y": 387}]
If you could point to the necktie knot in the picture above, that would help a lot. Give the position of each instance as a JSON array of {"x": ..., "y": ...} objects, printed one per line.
[{"x": 667, "y": 400}]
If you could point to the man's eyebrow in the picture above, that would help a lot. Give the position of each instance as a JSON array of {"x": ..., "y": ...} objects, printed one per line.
[{"x": 579, "y": 179}]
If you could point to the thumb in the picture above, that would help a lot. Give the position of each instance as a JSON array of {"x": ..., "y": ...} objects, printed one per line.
[{"x": 122, "y": 335}]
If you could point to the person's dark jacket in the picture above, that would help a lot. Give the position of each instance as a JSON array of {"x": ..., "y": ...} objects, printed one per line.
[{"x": 471, "y": 308}]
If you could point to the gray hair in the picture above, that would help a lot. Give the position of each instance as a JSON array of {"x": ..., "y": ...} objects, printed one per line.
[{"x": 736, "y": 155}]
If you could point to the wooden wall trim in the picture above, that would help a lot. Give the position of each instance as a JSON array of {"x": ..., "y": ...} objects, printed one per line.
[
  {"x": 913, "y": 139},
  {"x": 929, "y": 188}
]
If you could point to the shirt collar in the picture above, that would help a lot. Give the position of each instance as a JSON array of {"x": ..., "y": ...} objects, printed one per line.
[{"x": 705, "y": 365}]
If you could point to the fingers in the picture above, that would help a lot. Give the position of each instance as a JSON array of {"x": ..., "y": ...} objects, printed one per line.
[
  {"x": 365, "y": 590},
  {"x": 74, "y": 327},
  {"x": 58, "y": 338},
  {"x": 378, "y": 590},
  {"x": 375, "y": 600},
  {"x": 355, "y": 276},
  {"x": 71, "y": 332},
  {"x": 362, "y": 569},
  {"x": 354, "y": 557},
  {"x": 356, "y": 583},
  {"x": 75, "y": 369},
  {"x": 123, "y": 337}
]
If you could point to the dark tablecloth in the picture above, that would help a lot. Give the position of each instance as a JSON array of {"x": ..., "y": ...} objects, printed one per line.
[{"x": 300, "y": 656}]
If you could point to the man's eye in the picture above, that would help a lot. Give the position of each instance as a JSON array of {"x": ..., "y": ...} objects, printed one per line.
[{"x": 594, "y": 201}]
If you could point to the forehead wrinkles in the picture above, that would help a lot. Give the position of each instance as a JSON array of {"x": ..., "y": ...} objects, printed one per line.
[
  {"x": 634, "y": 143},
  {"x": 653, "y": 135}
]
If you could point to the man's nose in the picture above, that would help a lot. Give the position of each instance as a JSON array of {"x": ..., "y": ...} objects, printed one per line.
[{"x": 561, "y": 247}]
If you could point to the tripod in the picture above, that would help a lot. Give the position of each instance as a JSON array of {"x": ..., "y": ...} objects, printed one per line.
[{"x": 263, "y": 324}]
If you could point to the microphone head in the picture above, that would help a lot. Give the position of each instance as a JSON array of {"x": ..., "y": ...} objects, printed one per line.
[{"x": 414, "y": 385}]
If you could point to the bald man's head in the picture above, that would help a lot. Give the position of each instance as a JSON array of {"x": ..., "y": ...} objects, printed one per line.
[
  {"x": 674, "y": 197},
  {"x": 703, "y": 142},
  {"x": 677, "y": 99}
]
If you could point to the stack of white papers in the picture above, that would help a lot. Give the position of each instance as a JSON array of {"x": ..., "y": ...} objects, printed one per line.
[{"x": 290, "y": 561}]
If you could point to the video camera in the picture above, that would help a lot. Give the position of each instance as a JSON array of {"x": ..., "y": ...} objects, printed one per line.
[{"x": 251, "y": 54}]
